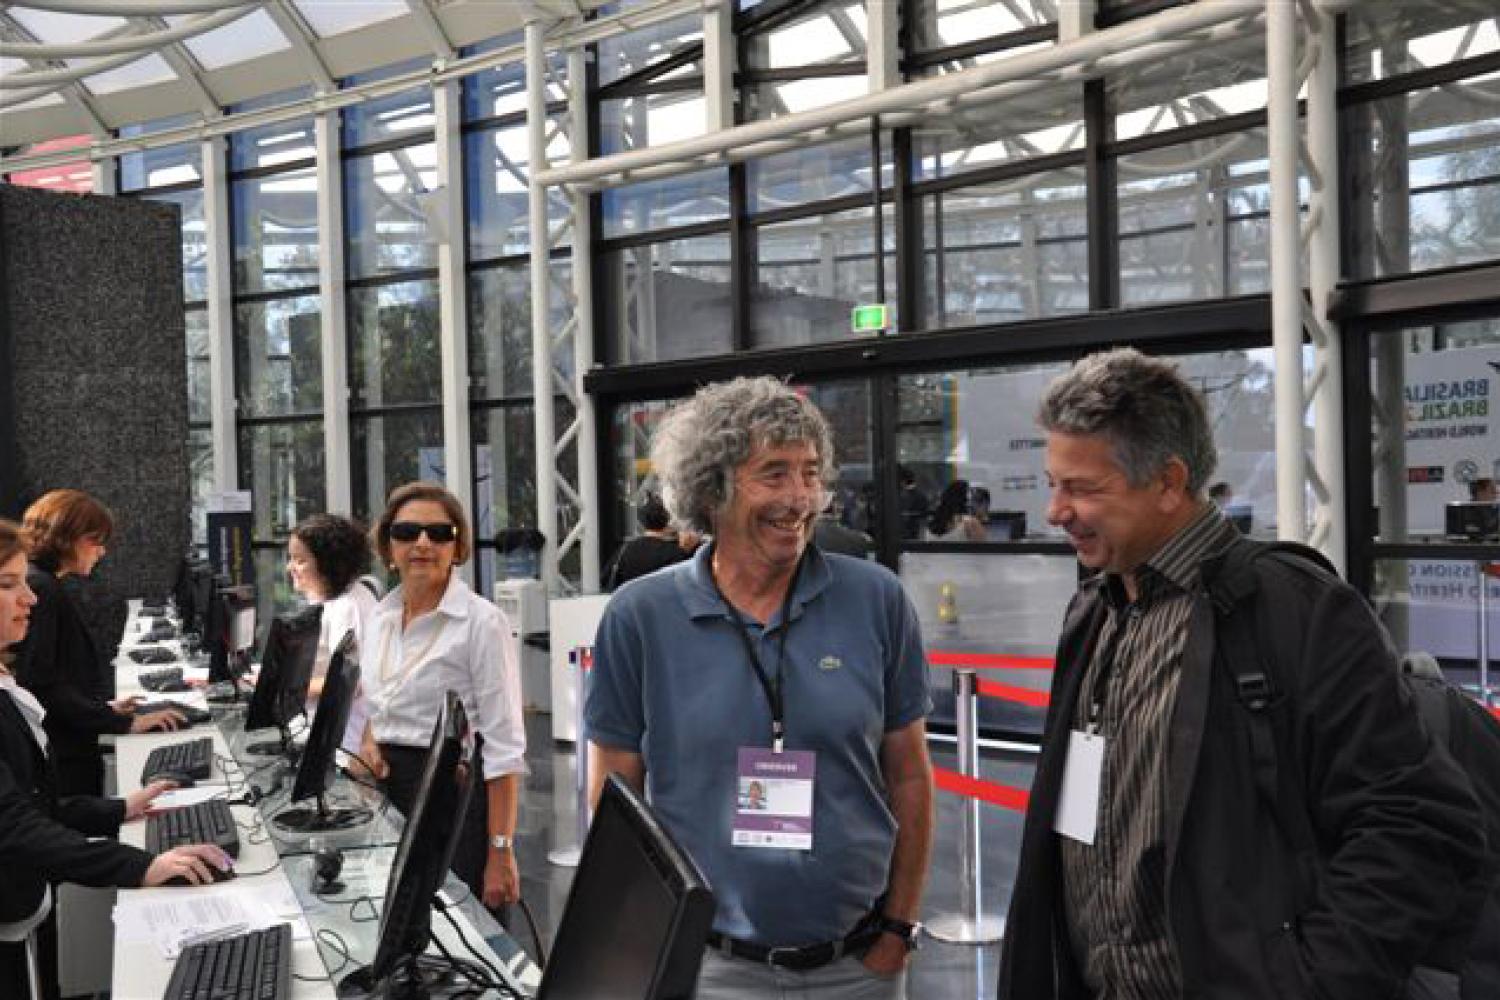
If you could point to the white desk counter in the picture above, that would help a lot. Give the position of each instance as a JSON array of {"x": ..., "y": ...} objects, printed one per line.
[{"x": 273, "y": 863}]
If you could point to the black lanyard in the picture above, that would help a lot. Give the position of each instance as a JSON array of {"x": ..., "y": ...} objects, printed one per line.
[
  {"x": 771, "y": 686},
  {"x": 1099, "y": 689}
]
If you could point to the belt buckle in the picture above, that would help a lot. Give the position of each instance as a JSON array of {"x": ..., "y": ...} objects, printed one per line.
[{"x": 773, "y": 959}]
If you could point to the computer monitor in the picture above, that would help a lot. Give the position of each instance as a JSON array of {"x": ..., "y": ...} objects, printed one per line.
[
  {"x": 202, "y": 595},
  {"x": 433, "y": 827},
  {"x": 286, "y": 665},
  {"x": 230, "y": 631},
  {"x": 638, "y": 914},
  {"x": 316, "y": 769}
]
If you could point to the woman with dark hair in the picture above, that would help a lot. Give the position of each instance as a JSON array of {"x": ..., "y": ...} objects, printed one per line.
[
  {"x": 327, "y": 555},
  {"x": 950, "y": 520},
  {"x": 657, "y": 545},
  {"x": 433, "y": 635},
  {"x": 59, "y": 663},
  {"x": 44, "y": 836}
]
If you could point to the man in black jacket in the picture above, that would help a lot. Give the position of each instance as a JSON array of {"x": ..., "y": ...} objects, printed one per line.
[{"x": 1150, "y": 867}]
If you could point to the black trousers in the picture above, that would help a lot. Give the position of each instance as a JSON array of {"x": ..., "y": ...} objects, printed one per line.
[
  {"x": 13, "y": 979},
  {"x": 472, "y": 849}
]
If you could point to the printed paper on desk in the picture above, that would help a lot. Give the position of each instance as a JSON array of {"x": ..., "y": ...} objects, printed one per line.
[
  {"x": 199, "y": 674},
  {"x": 164, "y": 918},
  {"x": 177, "y": 798}
]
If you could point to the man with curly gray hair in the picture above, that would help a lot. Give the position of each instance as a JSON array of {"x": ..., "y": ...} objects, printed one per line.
[
  {"x": 1167, "y": 852},
  {"x": 765, "y": 663}
]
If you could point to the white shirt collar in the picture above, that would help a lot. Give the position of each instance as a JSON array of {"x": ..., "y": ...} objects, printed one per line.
[
  {"x": 31, "y": 709},
  {"x": 454, "y": 604}
]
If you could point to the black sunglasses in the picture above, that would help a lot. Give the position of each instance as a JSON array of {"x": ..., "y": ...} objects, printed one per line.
[{"x": 440, "y": 532}]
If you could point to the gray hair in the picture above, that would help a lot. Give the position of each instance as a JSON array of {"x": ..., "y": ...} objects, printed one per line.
[
  {"x": 1145, "y": 408},
  {"x": 703, "y": 440}
]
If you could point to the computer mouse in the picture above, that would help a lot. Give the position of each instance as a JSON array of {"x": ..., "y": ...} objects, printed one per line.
[
  {"x": 219, "y": 875},
  {"x": 176, "y": 777}
]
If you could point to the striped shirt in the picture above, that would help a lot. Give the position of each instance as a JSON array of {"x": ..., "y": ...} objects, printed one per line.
[{"x": 1115, "y": 890}]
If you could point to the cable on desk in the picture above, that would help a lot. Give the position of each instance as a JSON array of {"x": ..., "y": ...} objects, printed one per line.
[
  {"x": 536, "y": 935},
  {"x": 471, "y": 971},
  {"x": 330, "y": 938},
  {"x": 463, "y": 939},
  {"x": 369, "y": 901}
]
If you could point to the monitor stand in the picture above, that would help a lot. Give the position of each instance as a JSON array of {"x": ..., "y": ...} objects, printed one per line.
[
  {"x": 321, "y": 818},
  {"x": 281, "y": 747},
  {"x": 421, "y": 977}
]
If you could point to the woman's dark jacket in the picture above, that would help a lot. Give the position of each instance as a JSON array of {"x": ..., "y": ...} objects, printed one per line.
[
  {"x": 59, "y": 663},
  {"x": 1396, "y": 823},
  {"x": 44, "y": 838}
]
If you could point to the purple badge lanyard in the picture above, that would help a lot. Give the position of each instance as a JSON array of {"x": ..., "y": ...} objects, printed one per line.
[{"x": 772, "y": 686}]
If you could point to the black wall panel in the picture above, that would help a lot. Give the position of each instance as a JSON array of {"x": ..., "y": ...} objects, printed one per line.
[{"x": 93, "y": 368}]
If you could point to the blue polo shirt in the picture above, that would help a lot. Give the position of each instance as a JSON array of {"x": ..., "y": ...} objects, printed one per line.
[{"x": 672, "y": 681}]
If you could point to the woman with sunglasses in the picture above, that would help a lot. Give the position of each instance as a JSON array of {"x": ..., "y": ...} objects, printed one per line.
[
  {"x": 430, "y": 635},
  {"x": 45, "y": 837},
  {"x": 59, "y": 662}
]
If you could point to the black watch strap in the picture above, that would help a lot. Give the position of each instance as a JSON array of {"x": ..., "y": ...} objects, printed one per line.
[{"x": 906, "y": 931}]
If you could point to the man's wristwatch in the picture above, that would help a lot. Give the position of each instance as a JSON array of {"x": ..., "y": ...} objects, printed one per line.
[
  {"x": 501, "y": 842},
  {"x": 909, "y": 933}
]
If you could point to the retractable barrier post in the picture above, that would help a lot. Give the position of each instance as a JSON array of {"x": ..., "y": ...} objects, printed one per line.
[
  {"x": 970, "y": 925},
  {"x": 582, "y": 659},
  {"x": 1486, "y": 696}
]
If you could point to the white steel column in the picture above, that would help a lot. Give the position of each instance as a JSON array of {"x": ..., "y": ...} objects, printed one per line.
[
  {"x": 1286, "y": 278},
  {"x": 447, "y": 203},
  {"x": 1330, "y": 530},
  {"x": 220, "y": 315},
  {"x": 583, "y": 328},
  {"x": 883, "y": 47},
  {"x": 541, "y": 340},
  {"x": 718, "y": 64},
  {"x": 1292, "y": 315},
  {"x": 334, "y": 340},
  {"x": 105, "y": 176}
]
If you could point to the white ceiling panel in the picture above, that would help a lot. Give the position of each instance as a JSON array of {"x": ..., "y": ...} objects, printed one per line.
[
  {"x": 151, "y": 69},
  {"x": 334, "y": 17},
  {"x": 51, "y": 26},
  {"x": 249, "y": 37}
]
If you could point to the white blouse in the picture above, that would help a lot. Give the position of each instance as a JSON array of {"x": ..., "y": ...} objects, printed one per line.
[
  {"x": 353, "y": 609},
  {"x": 461, "y": 646}
]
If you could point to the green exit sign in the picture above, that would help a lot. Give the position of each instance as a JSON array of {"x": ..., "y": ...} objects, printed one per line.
[{"x": 870, "y": 319}]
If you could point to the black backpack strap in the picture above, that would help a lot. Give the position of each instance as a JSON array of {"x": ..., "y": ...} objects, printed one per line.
[{"x": 1233, "y": 588}]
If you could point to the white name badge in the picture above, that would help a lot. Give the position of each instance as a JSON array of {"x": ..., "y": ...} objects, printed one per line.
[
  {"x": 774, "y": 799},
  {"x": 1077, "y": 813}
]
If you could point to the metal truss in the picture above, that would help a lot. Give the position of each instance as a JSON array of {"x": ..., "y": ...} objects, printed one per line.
[
  {"x": 1304, "y": 474},
  {"x": 567, "y": 510}
]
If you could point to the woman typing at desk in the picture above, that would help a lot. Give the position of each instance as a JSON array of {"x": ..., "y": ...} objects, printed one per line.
[
  {"x": 59, "y": 663},
  {"x": 44, "y": 837},
  {"x": 431, "y": 635}
]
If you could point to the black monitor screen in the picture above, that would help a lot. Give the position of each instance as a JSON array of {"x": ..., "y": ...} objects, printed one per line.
[
  {"x": 203, "y": 595},
  {"x": 638, "y": 914},
  {"x": 316, "y": 770},
  {"x": 422, "y": 859},
  {"x": 286, "y": 666}
]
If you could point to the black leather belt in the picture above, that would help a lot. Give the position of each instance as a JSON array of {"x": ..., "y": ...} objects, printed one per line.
[{"x": 801, "y": 958}]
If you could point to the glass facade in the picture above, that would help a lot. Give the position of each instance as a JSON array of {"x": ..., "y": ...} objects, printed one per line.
[{"x": 984, "y": 227}]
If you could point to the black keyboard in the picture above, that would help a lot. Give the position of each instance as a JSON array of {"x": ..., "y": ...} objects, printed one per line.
[
  {"x": 253, "y": 966},
  {"x": 153, "y": 610},
  {"x": 161, "y": 680},
  {"x": 160, "y": 629},
  {"x": 201, "y": 823},
  {"x": 157, "y": 655},
  {"x": 194, "y": 758},
  {"x": 193, "y": 714}
]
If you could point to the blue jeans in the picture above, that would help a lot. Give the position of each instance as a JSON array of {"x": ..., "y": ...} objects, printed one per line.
[{"x": 847, "y": 979}]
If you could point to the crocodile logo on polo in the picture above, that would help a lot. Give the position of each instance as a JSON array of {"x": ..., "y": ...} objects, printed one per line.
[{"x": 830, "y": 662}]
